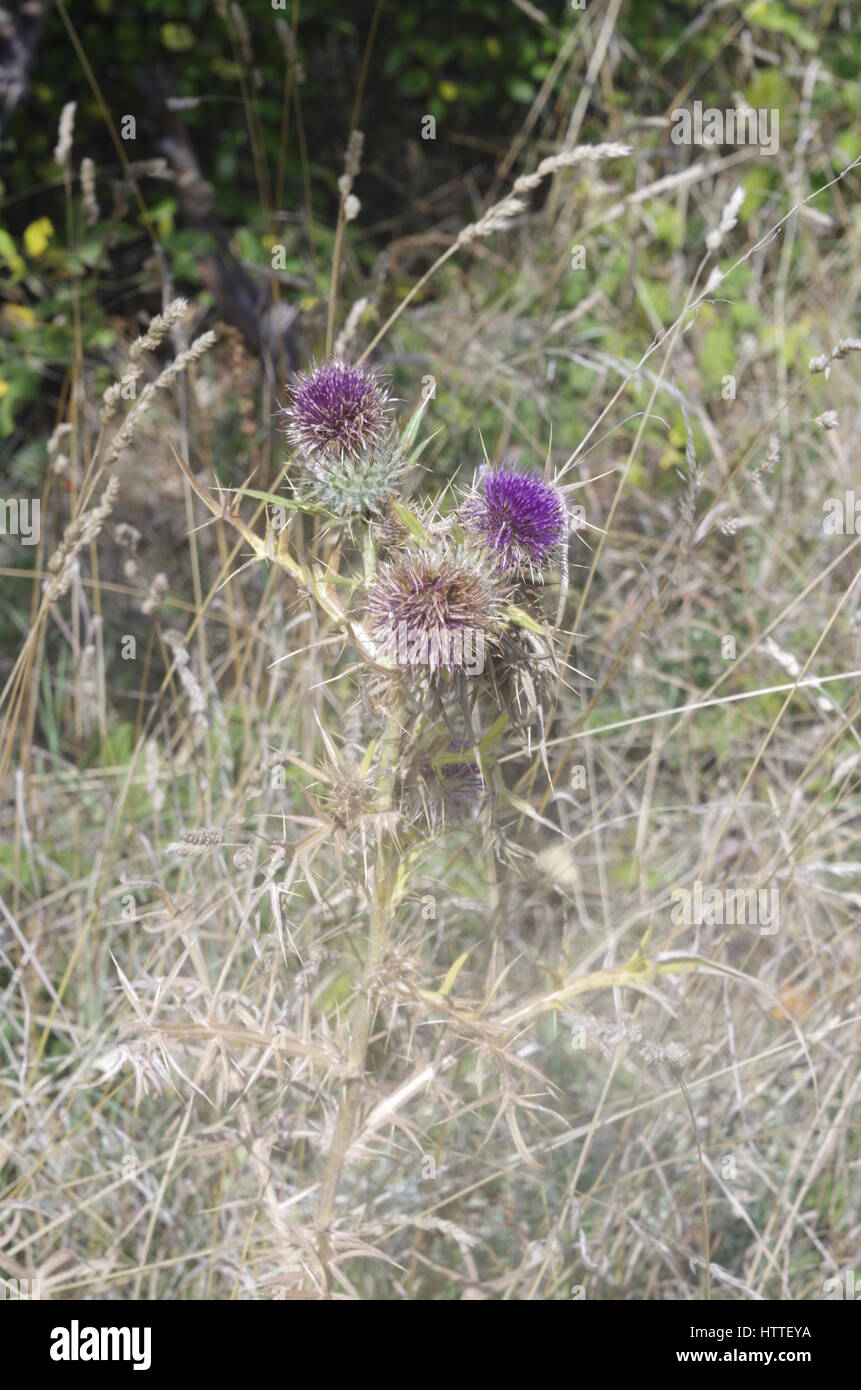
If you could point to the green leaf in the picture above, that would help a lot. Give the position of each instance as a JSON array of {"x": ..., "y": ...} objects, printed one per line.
[
  {"x": 778, "y": 20},
  {"x": 410, "y": 523},
  {"x": 420, "y": 448},
  {"x": 275, "y": 500},
  {"x": 37, "y": 236},
  {"x": 9, "y": 252},
  {"x": 494, "y": 734},
  {"x": 412, "y": 426},
  {"x": 452, "y": 975},
  {"x": 414, "y": 83},
  {"x": 177, "y": 37},
  {"x": 520, "y": 90},
  {"x": 522, "y": 619}
]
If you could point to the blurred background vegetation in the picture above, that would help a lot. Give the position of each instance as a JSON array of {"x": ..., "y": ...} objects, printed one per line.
[{"x": 268, "y": 139}]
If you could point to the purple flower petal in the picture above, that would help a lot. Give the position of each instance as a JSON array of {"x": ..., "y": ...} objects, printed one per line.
[
  {"x": 337, "y": 409},
  {"x": 518, "y": 516}
]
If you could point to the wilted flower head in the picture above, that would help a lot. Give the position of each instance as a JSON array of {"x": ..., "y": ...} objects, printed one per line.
[
  {"x": 441, "y": 793},
  {"x": 350, "y": 796},
  {"x": 436, "y": 608},
  {"x": 525, "y": 677},
  {"x": 517, "y": 515},
  {"x": 337, "y": 410}
]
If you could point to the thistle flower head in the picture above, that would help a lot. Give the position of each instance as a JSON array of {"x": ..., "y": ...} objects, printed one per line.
[
  {"x": 518, "y": 516},
  {"x": 526, "y": 677},
  {"x": 350, "y": 797},
  {"x": 441, "y": 793},
  {"x": 337, "y": 411},
  {"x": 437, "y": 609},
  {"x": 338, "y": 420}
]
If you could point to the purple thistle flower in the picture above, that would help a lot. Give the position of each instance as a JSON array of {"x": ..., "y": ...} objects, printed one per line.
[
  {"x": 337, "y": 410},
  {"x": 436, "y": 609},
  {"x": 518, "y": 516}
]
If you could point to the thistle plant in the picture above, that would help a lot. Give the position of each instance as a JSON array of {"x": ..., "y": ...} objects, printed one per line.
[{"x": 456, "y": 660}]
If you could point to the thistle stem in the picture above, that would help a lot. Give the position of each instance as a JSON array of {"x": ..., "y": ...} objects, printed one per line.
[{"x": 382, "y": 907}]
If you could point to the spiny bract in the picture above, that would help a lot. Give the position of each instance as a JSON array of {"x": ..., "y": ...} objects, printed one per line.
[{"x": 348, "y": 487}]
